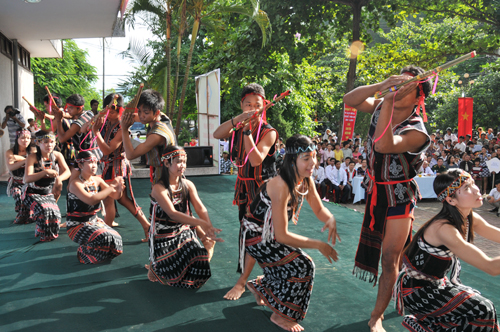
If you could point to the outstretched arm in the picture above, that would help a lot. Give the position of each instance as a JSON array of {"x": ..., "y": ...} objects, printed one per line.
[
  {"x": 202, "y": 212},
  {"x": 469, "y": 253},
  {"x": 322, "y": 213},
  {"x": 160, "y": 194},
  {"x": 279, "y": 195}
]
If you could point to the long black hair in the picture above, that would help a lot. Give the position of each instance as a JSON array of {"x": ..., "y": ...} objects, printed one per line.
[
  {"x": 15, "y": 148},
  {"x": 289, "y": 171},
  {"x": 39, "y": 134},
  {"x": 448, "y": 212},
  {"x": 165, "y": 178}
]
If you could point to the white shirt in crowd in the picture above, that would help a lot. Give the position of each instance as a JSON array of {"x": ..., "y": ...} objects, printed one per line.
[
  {"x": 452, "y": 136},
  {"x": 427, "y": 170},
  {"x": 350, "y": 174},
  {"x": 337, "y": 176},
  {"x": 460, "y": 146},
  {"x": 495, "y": 193},
  {"x": 318, "y": 174}
]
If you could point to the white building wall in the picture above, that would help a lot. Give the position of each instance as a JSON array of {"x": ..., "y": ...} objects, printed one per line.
[{"x": 7, "y": 98}]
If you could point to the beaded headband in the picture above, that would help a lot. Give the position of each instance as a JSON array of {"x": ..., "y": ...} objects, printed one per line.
[
  {"x": 22, "y": 132},
  {"x": 454, "y": 186},
  {"x": 82, "y": 160},
  {"x": 46, "y": 136},
  {"x": 297, "y": 150},
  {"x": 173, "y": 154}
]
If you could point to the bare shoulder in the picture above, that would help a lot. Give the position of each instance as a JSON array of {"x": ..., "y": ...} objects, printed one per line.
[
  {"x": 157, "y": 189},
  {"x": 277, "y": 187}
]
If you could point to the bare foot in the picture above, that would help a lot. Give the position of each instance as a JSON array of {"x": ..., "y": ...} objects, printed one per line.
[
  {"x": 235, "y": 292},
  {"x": 209, "y": 245},
  {"x": 286, "y": 324},
  {"x": 258, "y": 299},
  {"x": 375, "y": 324},
  {"x": 151, "y": 275}
]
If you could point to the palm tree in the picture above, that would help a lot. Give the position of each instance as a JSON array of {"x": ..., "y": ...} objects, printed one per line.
[
  {"x": 200, "y": 12},
  {"x": 205, "y": 12}
]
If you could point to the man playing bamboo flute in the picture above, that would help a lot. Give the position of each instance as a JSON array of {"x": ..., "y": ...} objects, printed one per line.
[
  {"x": 254, "y": 149},
  {"x": 396, "y": 139}
]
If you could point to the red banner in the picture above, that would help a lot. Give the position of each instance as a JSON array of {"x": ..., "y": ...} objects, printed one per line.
[
  {"x": 465, "y": 116},
  {"x": 349, "y": 122}
]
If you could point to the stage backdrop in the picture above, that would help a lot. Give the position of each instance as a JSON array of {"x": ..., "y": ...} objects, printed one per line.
[{"x": 208, "y": 103}]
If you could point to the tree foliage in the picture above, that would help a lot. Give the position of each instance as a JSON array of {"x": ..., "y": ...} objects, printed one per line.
[{"x": 65, "y": 76}]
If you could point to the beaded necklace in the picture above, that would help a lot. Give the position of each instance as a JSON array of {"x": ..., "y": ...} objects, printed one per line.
[
  {"x": 92, "y": 185},
  {"x": 295, "y": 217}
]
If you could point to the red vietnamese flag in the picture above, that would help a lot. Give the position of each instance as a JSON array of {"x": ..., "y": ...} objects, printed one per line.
[
  {"x": 348, "y": 123},
  {"x": 465, "y": 116}
]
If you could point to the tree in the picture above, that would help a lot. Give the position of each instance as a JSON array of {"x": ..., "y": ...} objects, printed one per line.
[
  {"x": 65, "y": 76},
  {"x": 208, "y": 13}
]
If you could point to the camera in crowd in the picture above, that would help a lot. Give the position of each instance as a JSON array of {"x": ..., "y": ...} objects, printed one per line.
[{"x": 11, "y": 111}]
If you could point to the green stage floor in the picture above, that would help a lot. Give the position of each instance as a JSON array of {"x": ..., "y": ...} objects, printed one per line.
[{"x": 43, "y": 287}]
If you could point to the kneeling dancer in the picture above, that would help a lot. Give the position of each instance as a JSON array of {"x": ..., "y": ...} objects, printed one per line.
[
  {"x": 16, "y": 160},
  {"x": 177, "y": 257},
  {"x": 288, "y": 271},
  {"x": 435, "y": 302},
  {"x": 98, "y": 242},
  {"x": 43, "y": 169}
]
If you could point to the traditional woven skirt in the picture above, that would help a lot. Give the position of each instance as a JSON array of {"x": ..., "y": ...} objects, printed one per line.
[
  {"x": 44, "y": 211},
  {"x": 179, "y": 259},
  {"x": 288, "y": 277},
  {"x": 448, "y": 307},
  {"x": 16, "y": 192},
  {"x": 98, "y": 242}
]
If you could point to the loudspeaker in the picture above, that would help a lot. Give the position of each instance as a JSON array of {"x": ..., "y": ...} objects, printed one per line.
[{"x": 199, "y": 156}]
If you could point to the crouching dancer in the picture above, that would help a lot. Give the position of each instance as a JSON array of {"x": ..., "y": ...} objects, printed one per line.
[
  {"x": 98, "y": 242},
  {"x": 288, "y": 271},
  {"x": 177, "y": 257},
  {"x": 43, "y": 169},
  {"x": 16, "y": 160},
  {"x": 435, "y": 302}
]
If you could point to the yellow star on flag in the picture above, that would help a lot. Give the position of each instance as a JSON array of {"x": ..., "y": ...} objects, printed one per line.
[{"x": 465, "y": 116}]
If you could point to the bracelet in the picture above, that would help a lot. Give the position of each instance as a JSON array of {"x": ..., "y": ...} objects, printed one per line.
[{"x": 232, "y": 122}]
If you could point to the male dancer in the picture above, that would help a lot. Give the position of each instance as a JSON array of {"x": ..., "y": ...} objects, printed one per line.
[
  {"x": 396, "y": 138},
  {"x": 256, "y": 155},
  {"x": 159, "y": 136}
]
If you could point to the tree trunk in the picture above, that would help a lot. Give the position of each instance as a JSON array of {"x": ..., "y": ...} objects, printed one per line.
[
  {"x": 182, "y": 27},
  {"x": 167, "y": 72},
  {"x": 194, "y": 34},
  {"x": 351, "y": 74},
  {"x": 356, "y": 20}
]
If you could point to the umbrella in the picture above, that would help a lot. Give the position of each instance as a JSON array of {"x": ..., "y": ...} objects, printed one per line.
[{"x": 493, "y": 166}]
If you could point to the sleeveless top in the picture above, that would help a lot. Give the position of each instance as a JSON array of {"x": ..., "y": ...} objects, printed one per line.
[
  {"x": 16, "y": 178},
  {"x": 153, "y": 157},
  {"x": 108, "y": 133},
  {"x": 79, "y": 212},
  {"x": 261, "y": 205},
  {"x": 165, "y": 224},
  {"x": 44, "y": 185},
  {"x": 396, "y": 168},
  {"x": 251, "y": 178}
]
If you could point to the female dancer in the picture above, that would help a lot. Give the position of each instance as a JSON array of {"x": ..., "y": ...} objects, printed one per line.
[
  {"x": 435, "y": 302},
  {"x": 109, "y": 140},
  {"x": 42, "y": 170},
  {"x": 98, "y": 242},
  {"x": 16, "y": 159},
  {"x": 288, "y": 272},
  {"x": 177, "y": 257}
]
